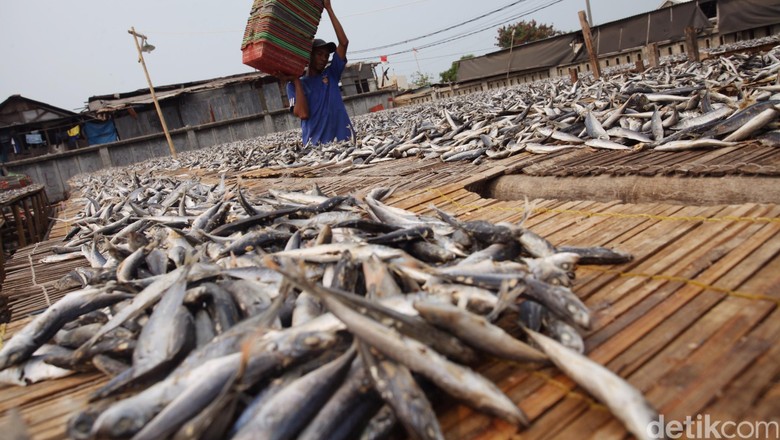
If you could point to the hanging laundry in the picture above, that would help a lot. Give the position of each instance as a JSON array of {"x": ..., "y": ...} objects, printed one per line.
[
  {"x": 33, "y": 138},
  {"x": 75, "y": 131}
]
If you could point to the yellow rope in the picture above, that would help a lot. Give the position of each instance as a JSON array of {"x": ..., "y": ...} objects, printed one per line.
[
  {"x": 592, "y": 404},
  {"x": 583, "y": 213},
  {"x": 705, "y": 286}
]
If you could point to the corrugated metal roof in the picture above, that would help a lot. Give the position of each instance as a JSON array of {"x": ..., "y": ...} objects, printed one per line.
[{"x": 114, "y": 102}]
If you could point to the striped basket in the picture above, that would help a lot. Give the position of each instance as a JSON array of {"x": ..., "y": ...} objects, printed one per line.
[{"x": 279, "y": 33}]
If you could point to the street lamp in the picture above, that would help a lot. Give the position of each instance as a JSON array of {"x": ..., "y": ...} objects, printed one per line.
[{"x": 142, "y": 47}]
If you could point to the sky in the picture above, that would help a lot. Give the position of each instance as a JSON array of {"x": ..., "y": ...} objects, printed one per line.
[{"x": 64, "y": 52}]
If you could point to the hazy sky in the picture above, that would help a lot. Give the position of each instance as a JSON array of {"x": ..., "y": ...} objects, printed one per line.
[{"x": 63, "y": 52}]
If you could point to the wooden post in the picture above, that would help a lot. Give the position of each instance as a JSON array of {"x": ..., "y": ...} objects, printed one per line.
[
  {"x": 651, "y": 53},
  {"x": 22, "y": 241},
  {"x": 28, "y": 217},
  {"x": 692, "y": 44},
  {"x": 639, "y": 66},
  {"x": 594, "y": 59},
  {"x": 573, "y": 75},
  {"x": 151, "y": 90}
]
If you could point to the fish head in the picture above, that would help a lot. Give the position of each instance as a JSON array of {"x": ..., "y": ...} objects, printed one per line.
[
  {"x": 12, "y": 356},
  {"x": 567, "y": 336},
  {"x": 119, "y": 421},
  {"x": 579, "y": 314}
]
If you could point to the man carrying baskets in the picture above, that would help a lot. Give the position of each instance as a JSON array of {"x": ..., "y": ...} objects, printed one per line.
[{"x": 315, "y": 98}]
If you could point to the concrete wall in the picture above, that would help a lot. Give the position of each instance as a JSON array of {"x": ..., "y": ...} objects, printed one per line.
[{"x": 54, "y": 170}]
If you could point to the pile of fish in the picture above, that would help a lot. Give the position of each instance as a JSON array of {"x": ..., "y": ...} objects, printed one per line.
[
  {"x": 301, "y": 315},
  {"x": 719, "y": 102}
]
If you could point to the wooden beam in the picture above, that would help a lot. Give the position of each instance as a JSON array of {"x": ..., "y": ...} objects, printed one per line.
[
  {"x": 652, "y": 55},
  {"x": 573, "y": 75},
  {"x": 692, "y": 44},
  {"x": 594, "y": 59}
]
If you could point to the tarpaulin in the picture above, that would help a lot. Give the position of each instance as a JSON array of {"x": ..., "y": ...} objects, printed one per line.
[
  {"x": 738, "y": 15},
  {"x": 100, "y": 132},
  {"x": 666, "y": 24},
  {"x": 536, "y": 55},
  {"x": 630, "y": 33}
]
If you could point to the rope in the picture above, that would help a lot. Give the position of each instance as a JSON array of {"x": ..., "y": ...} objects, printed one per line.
[
  {"x": 583, "y": 213},
  {"x": 705, "y": 286},
  {"x": 592, "y": 404},
  {"x": 34, "y": 281}
]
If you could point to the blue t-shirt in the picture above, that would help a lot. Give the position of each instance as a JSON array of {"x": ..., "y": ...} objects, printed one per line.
[{"x": 328, "y": 118}]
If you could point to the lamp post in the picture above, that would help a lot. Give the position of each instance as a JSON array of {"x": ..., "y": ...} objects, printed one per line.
[{"x": 146, "y": 47}]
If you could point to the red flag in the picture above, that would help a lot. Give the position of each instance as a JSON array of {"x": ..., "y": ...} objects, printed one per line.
[{"x": 383, "y": 58}]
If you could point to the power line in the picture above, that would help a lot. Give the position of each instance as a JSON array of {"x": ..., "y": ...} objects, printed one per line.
[
  {"x": 384, "y": 9},
  {"x": 464, "y": 35},
  {"x": 440, "y": 31}
]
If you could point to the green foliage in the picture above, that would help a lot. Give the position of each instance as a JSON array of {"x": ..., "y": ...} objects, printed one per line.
[
  {"x": 420, "y": 79},
  {"x": 451, "y": 75},
  {"x": 524, "y": 32}
]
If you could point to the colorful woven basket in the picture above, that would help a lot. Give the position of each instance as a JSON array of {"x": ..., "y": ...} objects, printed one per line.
[{"x": 279, "y": 33}]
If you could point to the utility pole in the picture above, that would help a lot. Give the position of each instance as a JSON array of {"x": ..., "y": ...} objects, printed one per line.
[
  {"x": 509, "y": 63},
  {"x": 149, "y": 48},
  {"x": 594, "y": 59},
  {"x": 590, "y": 15}
]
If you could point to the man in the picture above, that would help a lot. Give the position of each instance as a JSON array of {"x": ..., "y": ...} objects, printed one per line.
[{"x": 316, "y": 98}]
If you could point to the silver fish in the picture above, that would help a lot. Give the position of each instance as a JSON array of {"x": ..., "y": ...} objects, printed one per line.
[{"x": 626, "y": 402}]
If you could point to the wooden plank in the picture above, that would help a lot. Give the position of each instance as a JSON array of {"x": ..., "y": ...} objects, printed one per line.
[
  {"x": 665, "y": 310},
  {"x": 686, "y": 261},
  {"x": 711, "y": 363},
  {"x": 642, "y": 246},
  {"x": 737, "y": 400}
]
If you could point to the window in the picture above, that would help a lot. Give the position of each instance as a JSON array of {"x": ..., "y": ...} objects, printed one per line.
[{"x": 361, "y": 86}]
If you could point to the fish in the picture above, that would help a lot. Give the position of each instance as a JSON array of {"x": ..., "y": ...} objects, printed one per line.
[
  {"x": 693, "y": 144},
  {"x": 399, "y": 389},
  {"x": 594, "y": 128},
  {"x": 605, "y": 144},
  {"x": 478, "y": 331},
  {"x": 147, "y": 297},
  {"x": 345, "y": 412},
  {"x": 285, "y": 414},
  {"x": 456, "y": 380},
  {"x": 625, "y": 402},
  {"x": 44, "y": 326}
]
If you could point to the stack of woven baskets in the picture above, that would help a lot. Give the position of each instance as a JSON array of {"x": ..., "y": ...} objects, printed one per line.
[{"x": 279, "y": 34}]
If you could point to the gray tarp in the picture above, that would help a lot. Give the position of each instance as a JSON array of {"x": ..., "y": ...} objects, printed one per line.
[
  {"x": 738, "y": 15},
  {"x": 530, "y": 56},
  {"x": 656, "y": 26}
]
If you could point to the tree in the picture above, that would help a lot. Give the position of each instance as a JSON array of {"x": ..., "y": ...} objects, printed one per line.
[
  {"x": 524, "y": 32},
  {"x": 451, "y": 75},
  {"x": 420, "y": 79}
]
